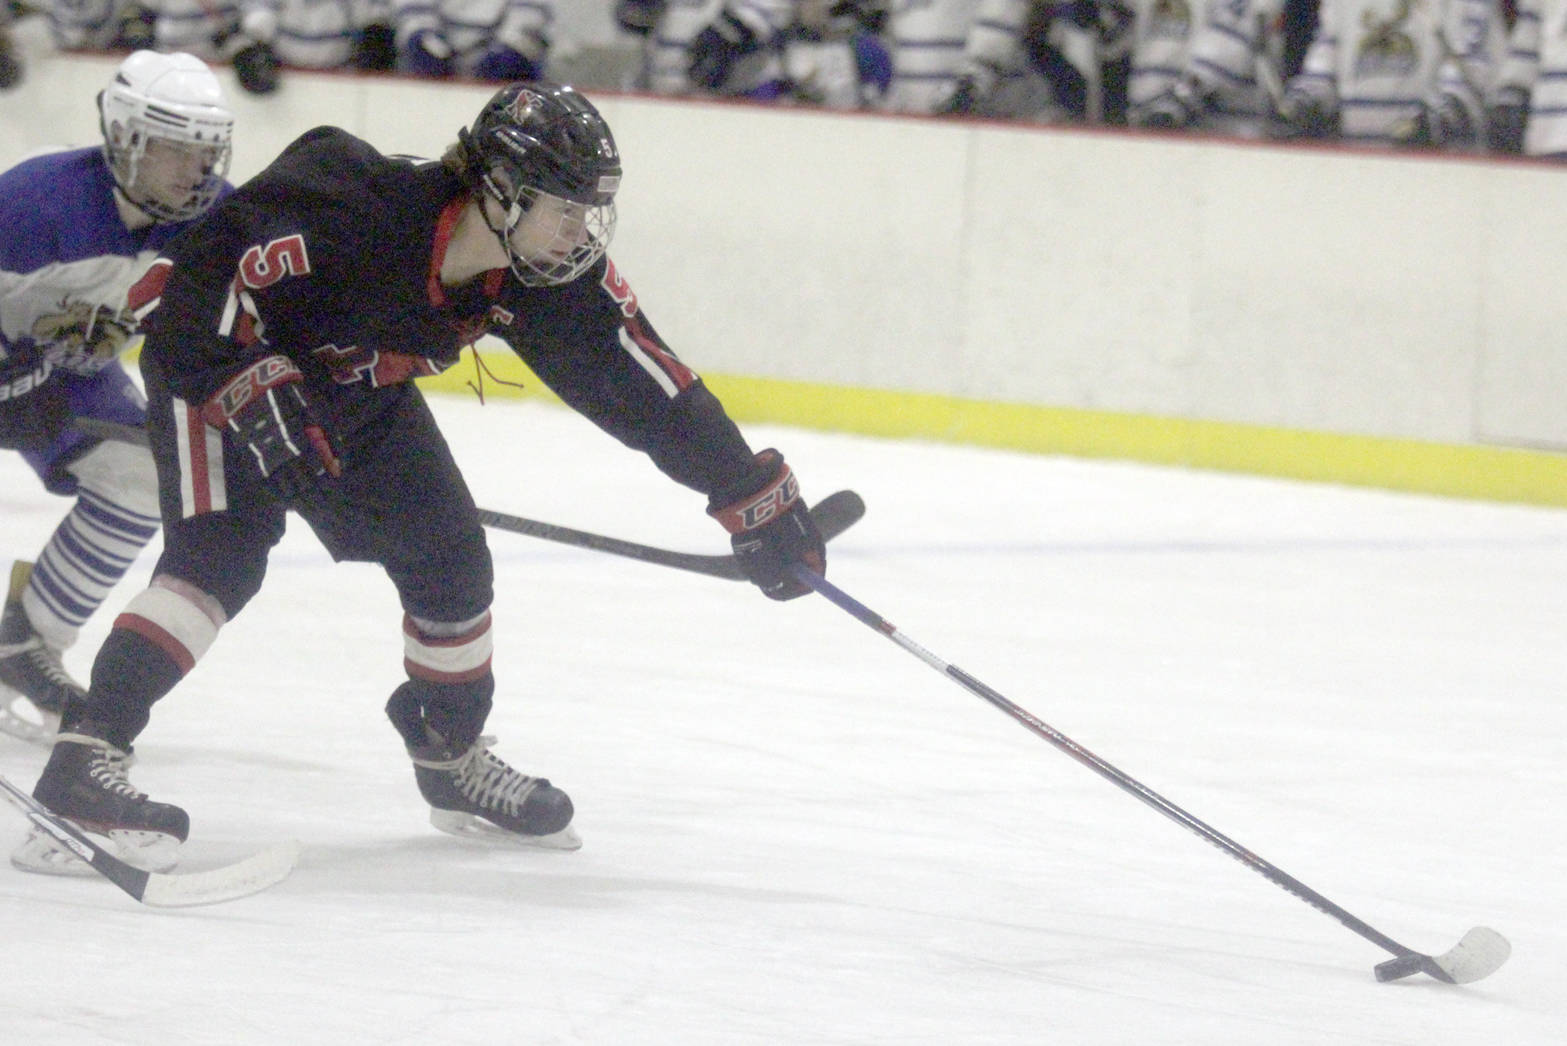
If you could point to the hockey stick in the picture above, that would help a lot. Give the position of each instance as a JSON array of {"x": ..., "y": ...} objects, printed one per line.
[
  {"x": 158, "y": 889},
  {"x": 1477, "y": 955},
  {"x": 833, "y": 515},
  {"x": 1265, "y": 65}
]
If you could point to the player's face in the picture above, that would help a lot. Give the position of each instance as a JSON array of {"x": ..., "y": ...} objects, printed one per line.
[
  {"x": 172, "y": 172},
  {"x": 551, "y": 230}
]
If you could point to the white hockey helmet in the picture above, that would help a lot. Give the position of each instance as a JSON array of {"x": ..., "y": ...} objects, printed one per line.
[{"x": 173, "y": 99}]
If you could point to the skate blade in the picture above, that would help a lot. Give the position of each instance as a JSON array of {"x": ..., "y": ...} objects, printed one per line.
[
  {"x": 41, "y": 854},
  {"x": 467, "y": 826},
  {"x": 22, "y": 719}
]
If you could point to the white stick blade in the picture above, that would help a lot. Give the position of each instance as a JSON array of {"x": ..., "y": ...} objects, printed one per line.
[
  {"x": 1480, "y": 954},
  {"x": 241, "y": 879}
]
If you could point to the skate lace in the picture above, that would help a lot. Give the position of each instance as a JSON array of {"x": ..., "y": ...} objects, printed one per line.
[
  {"x": 110, "y": 768},
  {"x": 47, "y": 660},
  {"x": 488, "y": 781}
]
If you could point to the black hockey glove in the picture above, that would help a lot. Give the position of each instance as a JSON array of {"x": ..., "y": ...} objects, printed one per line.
[
  {"x": 1301, "y": 114},
  {"x": 1506, "y": 119},
  {"x": 1171, "y": 110},
  {"x": 639, "y": 17},
  {"x": 257, "y": 68},
  {"x": 427, "y": 53},
  {"x": 375, "y": 50},
  {"x": 963, "y": 100},
  {"x": 769, "y": 527},
  {"x": 1445, "y": 124},
  {"x": 265, "y": 405},
  {"x": 717, "y": 48}
]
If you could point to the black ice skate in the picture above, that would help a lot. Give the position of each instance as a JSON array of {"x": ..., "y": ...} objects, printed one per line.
[
  {"x": 474, "y": 793},
  {"x": 34, "y": 685},
  {"x": 86, "y": 781}
]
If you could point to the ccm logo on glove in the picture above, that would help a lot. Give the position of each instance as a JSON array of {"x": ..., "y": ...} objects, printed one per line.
[
  {"x": 770, "y": 530},
  {"x": 265, "y": 406},
  {"x": 245, "y": 386},
  {"x": 770, "y": 503}
]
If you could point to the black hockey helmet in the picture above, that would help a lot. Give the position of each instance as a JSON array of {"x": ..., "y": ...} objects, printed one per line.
[{"x": 538, "y": 139}]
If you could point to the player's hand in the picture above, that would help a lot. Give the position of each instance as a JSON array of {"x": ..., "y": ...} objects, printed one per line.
[
  {"x": 1173, "y": 109},
  {"x": 1506, "y": 120},
  {"x": 770, "y": 529},
  {"x": 1444, "y": 124},
  {"x": 1302, "y": 114},
  {"x": 499, "y": 62},
  {"x": 265, "y": 406},
  {"x": 639, "y": 17},
  {"x": 427, "y": 53},
  {"x": 963, "y": 100},
  {"x": 257, "y": 68}
]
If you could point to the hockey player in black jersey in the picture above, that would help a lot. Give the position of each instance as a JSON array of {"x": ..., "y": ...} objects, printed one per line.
[{"x": 282, "y": 334}]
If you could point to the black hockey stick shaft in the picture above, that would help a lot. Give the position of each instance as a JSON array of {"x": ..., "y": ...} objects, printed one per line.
[
  {"x": 132, "y": 880},
  {"x": 1272, "y": 872},
  {"x": 833, "y": 515},
  {"x": 228, "y": 882}
]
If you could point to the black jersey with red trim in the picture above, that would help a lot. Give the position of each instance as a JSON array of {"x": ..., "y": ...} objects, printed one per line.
[{"x": 331, "y": 257}]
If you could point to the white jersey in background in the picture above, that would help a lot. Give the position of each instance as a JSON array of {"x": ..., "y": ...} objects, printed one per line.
[
  {"x": 1161, "y": 33},
  {"x": 1379, "y": 61},
  {"x": 928, "y": 40},
  {"x": 469, "y": 27},
  {"x": 314, "y": 34},
  {"x": 1536, "y": 65},
  {"x": 88, "y": 25},
  {"x": 667, "y": 49},
  {"x": 1232, "y": 66}
]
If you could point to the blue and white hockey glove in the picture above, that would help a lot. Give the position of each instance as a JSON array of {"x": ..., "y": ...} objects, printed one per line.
[{"x": 769, "y": 527}]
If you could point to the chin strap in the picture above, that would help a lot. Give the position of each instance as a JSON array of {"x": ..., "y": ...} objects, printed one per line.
[{"x": 120, "y": 193}]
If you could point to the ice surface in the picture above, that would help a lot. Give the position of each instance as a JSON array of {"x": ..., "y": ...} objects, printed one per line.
[{"x": 798, "y": 833}]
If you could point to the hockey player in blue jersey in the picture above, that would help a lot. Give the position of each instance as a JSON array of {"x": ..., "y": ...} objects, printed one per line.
[{"x": 77, "y": 228}]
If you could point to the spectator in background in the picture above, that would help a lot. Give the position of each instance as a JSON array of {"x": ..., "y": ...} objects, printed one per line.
[
  {"x": 1228, "y": 79},
  {"x": 819, "y": 52},
  {"x": 966, "y": 58},
  {"x": 1528, "y": 110},
  {"x": 100, "y": 25},
  {"x": 1397, "y": 72},
  {"x": 322, "y": 34},
  {"x": 211, "y": 30},
  {"x": 482, "y": 39},
  {"x": 928, "y": 40},
  {"x": 991, "y": 65},
  {"x": 666, "y": 29},
  {"x": 738, "y": 49},
  {"x": 1082, "y": 49},
  {"x": 831, "y": 56},
  {"x": 10, "y": 61}
]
